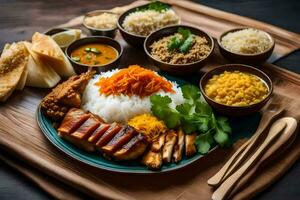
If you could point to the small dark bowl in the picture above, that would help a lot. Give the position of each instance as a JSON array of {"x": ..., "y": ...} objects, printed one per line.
[
  {"x": 253, "y": 59},
  {"x": 131, "y": 38},
  {"x": 177, "y": 69},
  {"x": 236, "y": 110},
  {"x": 100, "y": 32},
  {"x": 53, "y": 31},
  {"x": 80, "y": 68}
]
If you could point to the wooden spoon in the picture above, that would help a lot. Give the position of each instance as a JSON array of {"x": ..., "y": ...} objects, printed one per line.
[
  {"x": 231, "y": 181},
  {"x": 240, "y": 155},
  {"x": 284, "y": 141}
]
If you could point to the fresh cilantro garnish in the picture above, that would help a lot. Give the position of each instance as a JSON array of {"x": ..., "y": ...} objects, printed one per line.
[
  {"x": 183, "y": 43},
  {"x": 163, "y": 111},
  {"x": 155, "y": 5},
  {"x": 194, "y": 115}
]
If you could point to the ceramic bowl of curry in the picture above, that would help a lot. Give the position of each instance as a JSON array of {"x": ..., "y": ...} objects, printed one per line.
[{"x": 94, "y": 53}]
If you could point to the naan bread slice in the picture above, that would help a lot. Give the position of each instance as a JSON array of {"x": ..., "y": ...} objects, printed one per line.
[
  {"x": 13, "y": 63},
  {"x": 40, "y": 74},
  {"x": 21, "y": 84},
  {"x": 50, "y": 52}
]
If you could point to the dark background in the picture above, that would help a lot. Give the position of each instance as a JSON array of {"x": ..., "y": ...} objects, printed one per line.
[{"x": 20, "y": 19}]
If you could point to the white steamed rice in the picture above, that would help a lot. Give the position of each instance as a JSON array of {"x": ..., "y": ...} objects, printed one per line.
[{"x": 121, "y": 108}]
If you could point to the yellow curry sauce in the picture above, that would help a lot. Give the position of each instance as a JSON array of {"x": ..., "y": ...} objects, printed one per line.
[{"x": 94, "y": 54}]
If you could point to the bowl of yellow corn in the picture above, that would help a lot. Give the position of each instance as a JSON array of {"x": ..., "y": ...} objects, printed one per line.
[{"x": 236, "y": 89}]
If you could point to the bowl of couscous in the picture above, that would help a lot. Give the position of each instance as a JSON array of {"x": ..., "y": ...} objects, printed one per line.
[
  {"x": 246, "y": 45},
  {"x": 236, "y": 89}
]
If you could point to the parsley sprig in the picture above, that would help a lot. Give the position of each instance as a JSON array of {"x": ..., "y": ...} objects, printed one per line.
[
  {"x": 155, "y": 5},
  {"x": 183, "y": 43},
  {"x": 194, "y": 115}
]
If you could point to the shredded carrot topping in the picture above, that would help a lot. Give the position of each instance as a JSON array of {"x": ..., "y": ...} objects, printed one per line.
[{"x": 134, "y": 80}]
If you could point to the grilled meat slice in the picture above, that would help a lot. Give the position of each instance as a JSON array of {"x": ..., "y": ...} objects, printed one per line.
[
  {"x": 98, "y": 133},
  {"x": 72, "y": 121},
  {"x": 82, "y": 144},
  {"x": 77, "y": 126},
  {"x": 121, "y": 138},
  {"x": 133, "y": 149},
  {"x": 153, "y": 160},
  {"x": 170, "y": 141},
  {"x": 158, "y": 144},
  {"x": 178, "y": 148},
  {"x": 190, "y": 148},
  {"x": 66, "y": 95},
  {"x": 87, "y": 128},
  {"x": 108, "y": 135}
]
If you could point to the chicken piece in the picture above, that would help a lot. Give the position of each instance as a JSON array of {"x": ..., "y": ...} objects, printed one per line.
[
  {"x": 170, "y": 141},
  {"x": 98, "y": 133},
  {"x": 121, "y": 138},
  {"x": 66, "y": 95},
  {"x": 13, "y": 64},
  {"x": 133, "y": 149},
  {"x": 72, "y": 121},
  {"x": 190, "y": 148},
  {"x": 158, "y": 144},
  {"x": 108, "y": 135},
  {"x": 153, "y": 160},
  {"x": 178, "y": 148}
]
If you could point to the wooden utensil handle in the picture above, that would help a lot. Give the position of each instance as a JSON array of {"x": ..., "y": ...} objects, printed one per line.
[
  {"x": 229, "y": 183},
  {"x": 239, "y": 156}
]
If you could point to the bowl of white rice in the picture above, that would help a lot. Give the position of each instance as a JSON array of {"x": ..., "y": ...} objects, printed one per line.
[
  {"x": 137, "y": 23},
  {"x": 101, "y": 23},
  {"x": 246, "y": 45}
]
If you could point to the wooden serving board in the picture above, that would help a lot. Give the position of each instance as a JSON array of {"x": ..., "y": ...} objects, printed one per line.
[{"x": 21, "y": 137}]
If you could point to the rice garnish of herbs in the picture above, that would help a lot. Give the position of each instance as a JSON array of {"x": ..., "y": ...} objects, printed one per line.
[{"x": 121, "y": 108}]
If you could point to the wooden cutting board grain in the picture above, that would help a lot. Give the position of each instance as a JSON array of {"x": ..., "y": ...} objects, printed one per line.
[{"x": 22, "y": 138}]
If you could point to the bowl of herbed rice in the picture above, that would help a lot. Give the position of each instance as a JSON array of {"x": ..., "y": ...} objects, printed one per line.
[
  {"x": 246, "y": 45},
  {"x": 137, "y": 23}
]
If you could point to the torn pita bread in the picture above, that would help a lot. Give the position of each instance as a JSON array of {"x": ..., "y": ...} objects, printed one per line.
[
  {"x": 49, "y": 52},
  {"x": 40, "y": 74}
]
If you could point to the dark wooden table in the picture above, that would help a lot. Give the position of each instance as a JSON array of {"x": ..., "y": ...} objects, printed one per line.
[{"x": 20, "y": 19}]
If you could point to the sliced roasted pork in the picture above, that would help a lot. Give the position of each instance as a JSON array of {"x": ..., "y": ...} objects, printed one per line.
[
  {"x": 98, "y": 133},
  {"x": 73, "y": 119},
  {"x": 133, "y": 149},
  {"x": 89, "y": 132},
  {"x": 109, "y": 134},
  {"x": 121, "y": 138}
]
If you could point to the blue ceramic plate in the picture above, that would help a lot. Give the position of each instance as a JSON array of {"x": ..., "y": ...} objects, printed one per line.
[{"x": 96, "y": 160}]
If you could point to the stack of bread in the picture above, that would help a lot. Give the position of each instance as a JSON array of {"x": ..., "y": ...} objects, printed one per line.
[{"x": 40, "y": 63}]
